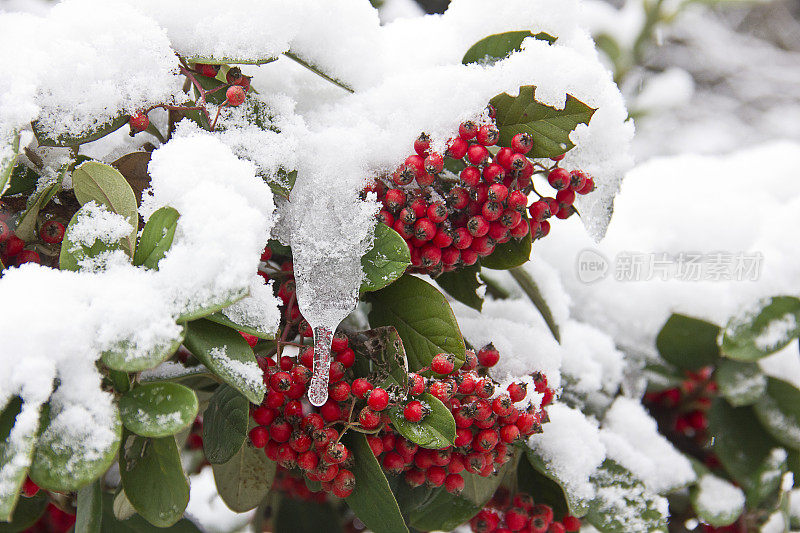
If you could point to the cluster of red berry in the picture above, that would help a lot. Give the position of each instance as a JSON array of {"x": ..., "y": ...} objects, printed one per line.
[
  {"x": 487, "y": 422},
  {"x": 688, "y": 404},
  {"x": 15, "y": 251},
  {"x": 504, "y": 514},
  {"x": 451, "y": 220}
]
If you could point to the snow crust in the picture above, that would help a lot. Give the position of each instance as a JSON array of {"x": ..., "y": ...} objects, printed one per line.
[{"x": 719, "y": 497}]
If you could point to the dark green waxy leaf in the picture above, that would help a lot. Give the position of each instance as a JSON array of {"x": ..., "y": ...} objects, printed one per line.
[
  {"x": 705, "y": 501},
  {"x": 90, "y": 509},
  {"x": 493, "y": 48},
  {"x": 546, "y": 490},
  {"x": 318, "y": 71},
  {"x": 298, "y": 516},
  {"x": 27, "y": 512},
  {"x": 74, "y": 252},
  {"x": 372, "y": 499},
  {"x": 124, "y": 357},
  {"x": 220, "y": 318},
  {"x": 193, "y": 311},
  {"x": 444, "y": 511},
  {"x": 158, "y": 409},
  {"x": 622, "y": 503},
  {"x": 63, "y": 463},
  {"x": 137, "y": 524},
  {"x": 283, "y": 185},
  {"x": 779, "y": 412},
  {"x": 422, "y": 317},
  {"x": 16, "y": 456},
  {"x": 740, "y": 383},
  {"x": 509, "y": 255},
  {"x": 739, "y": 443},
  {"x": 550, "y": 127},
  {"x": 156, "y": 237},
  {"x": 244, "y": 481},
  {"x": 225, "y": 424},
  {"x": 153, "y": 478},
  {"x": 463, "y": 285},
  {"x": 23, "y": 179},
  {"x": 227, "y": 355},
  {"x": 688, "y": 343},
  {"x": 531, "y": 290},
  {"x": 8, "y": 162},
  {"x": 437, "y": 430},
  {"x": 762, "y": 331},
  {"x": 45, "y": 138},
  {"x": 26, "y": 229},
  {"x": 103, "y": 184},
  {"x": 386, "y": 260}
]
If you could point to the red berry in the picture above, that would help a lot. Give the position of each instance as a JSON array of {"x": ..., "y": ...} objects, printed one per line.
[
  {"x": 335, "y": 453},
  {"x": 470, "y": 361},
  {"x": 414, "y": 411},
  {"x": 443, "y": 363},
  {"x": 571, "y": 523},
  {"x": 477, "y": 154},
  {"x": 375, "y": 444},
  {"x": 544, "y": 511},
  {"x": 344, "y": 483},
  {"x": 556, "y": 527},
  {"x": 587, "y": 187},
  {"x": 416, "y": 384},
  {"x": 395, "y": 199},
  {"x": 280, "y": 381},
  {"x": 565, "y": 198},
  {"x": 456, "y": 148},
  {"x": 497, "y": 192},
  {"x": 503, "y": 157},
  {"x": 491, "y": 210},
  {"x": 330, "y": 411},
  {"x": 424, "y": 229},
  {"x": 393, "y": 463},
  {"x": 308, "y": 461},
  {"x": 139, "y": 122},
  {"x": 280, "y": 430},
  {"x": 522, "y": 143},
  {"x": 28, "y": 256},
  {"x": 385, "y": 217},
  {"x": 274, "y": 399},
  {"x": 336, "y": 372},
  {"x": 477, "y": 226},
  {"x": 454, "y": 483},
  {"x": 488, "y": 356},
  {"x": 14, "y": 245},
  {"x": 558, "y": 178},
  {"x": 486, "y": 440},
  {"x": 414, "y": 477},
  {"x": 431, "y": 255},
  {"x": 435, "y": 476},
  {"x": 468, "y": 130},
  {"x": 516, "y": 518},
  {"x": 471, "y": 176},
  {"x": 378, "y": 399},
  {"x": 360, "y": 388},
  {"x": 347, "y": 358},
  {"x": 369, "y": 418},
  {"x": 422, "y": 144},
  {"x": 493, "y": 173},
  {"x": 509, "y": 433},
  {"x": 434, "y": 163},
  {"x": 458, "y": 197},
  {"x": 29, "y": 488},
  {"x": 339, "y": 391},
  {"x": 235, "y": 95},
  {"x": 577, "y": 179},
  {"x": 300, "y": 442},
  {"x": 311, "y": 422},
  {"x": 462, "y": 239},
  {"x": 488, "y": 135},
  {"x": 502, "y": 406},
  {"x": 264, "y": 416}
]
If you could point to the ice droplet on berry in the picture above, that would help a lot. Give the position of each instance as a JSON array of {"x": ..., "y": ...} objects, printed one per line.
[{"x": 318, "y": 391}]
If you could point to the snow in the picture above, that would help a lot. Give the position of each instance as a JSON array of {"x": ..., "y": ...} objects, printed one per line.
[
  {"x": 248, "y": 372},
  {"x": 95, "y": 222},
  {"x": 632, "y": 439},
  {"x": 776, "y": 332},
  {"x": 783, "y": 364},
  {"x": 571, "y": 448},
  {"x": 208, "y": 510}
]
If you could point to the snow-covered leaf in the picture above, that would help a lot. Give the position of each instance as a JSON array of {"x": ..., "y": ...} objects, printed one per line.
[
  {"x": 201, "y": 311},
  {"x": 779, "y": 412},
  {"x": 75, "y": 248},
  {"x": 19, "y": 423},
  {"x": 158, "y": 409},
  {"x": 65, "y": 462},
  {"x": 550, "y": 127},
  {"x": 716, "y": 501},
  {"x": 495, "y": 47},
  {"x": 372, "y": 499},
  {"x": 508, "y": 255},
  {"x": 546, "y": 489},
  {"x": 26, "y": 229},
  {"x": 221, "y": 319},
  {"x": 7, "y": 163},
  {"x": 767, "y": 328},
  {"x": 462, "y": 285},
  {"x": 227, "y": 354},
  {"x": 95, "y": 181},
  {"x": 622, "y": 503},
  {"x": 422, "y": 317},
  {"x": 64, "y": 140},
  {"x": 225, "y": 424},
  {"x": 244, "y": 480},
  {"x": 576, "y": 505},
  {"x": 90, "y": 509},
  {"x": 230, "y": 60},
  {"x": 740, "y": 383},
  {"x": 22, "y": 179},
  {"x": 386, "y": 260},
  {"x": 437, "y": 430},
  {"x": 317, "y": 70},
  {"x": 125, "y": 359},
  {"x": 156, "y": 237},
  {"x": 153, "y": 478},
  {"x": 135, "y": 523},
  {"x": 688, "y": 343}
]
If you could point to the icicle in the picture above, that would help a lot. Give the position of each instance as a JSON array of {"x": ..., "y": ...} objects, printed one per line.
[{"x": 318, "y": 391}]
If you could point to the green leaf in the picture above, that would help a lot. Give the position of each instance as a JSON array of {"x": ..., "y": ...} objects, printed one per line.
[
  {"x": 16, "y": 450},
  {"x": 444, "y": 511},
  {"x": 193, "y": 310},
  {"x": 23, "y": 179},
  {"x": 493, "y": 48},
  {"x": 706, "y": 501},
  {"x": 462, "y": 285},
  {"x": 230, "y": 61},
  {"x": 106, "y": 186},
  {"x": 386, "y": 260},
  {"x": 26, "y": 229},
  {"x": 156, "y": 237},
  {"x": 74, "y": 252},
  {"x": 622, "y": 503},
  {"x": 283, "y": 184},
  {"x": 779, "y": 412},
  {"x": 153, "y": 478},
  {"x": 740, "y": 383},
  {"x": 372, "y": 499},
  {"x": 137, "y": 524},
  {"x": 316, "y": 70},
  {"x": 220, "y": 318},
  {"x": 158, "y": 409},
  {"x": 550, "y": 127},
  {"x": 688, "y": 343},
  {"x": 7, "y": 163},
  {"x": 531, "y": 290},
  {"x": 227, "y": 355},
  {"x": 508, "y": 255},
  {"x": 422, "y": 317},
  {"x": 124, "y": 356},
  {"x": 65, "y": 139},
  {"x": 576, "y": 506},
  {"x": 738, "y": 442},
  {"x": 762, "y": 331},
  {"x": 225, "y": 424},
  {"x": 67, "y": 462},
  {"x": 436, "y": 431},
  {"x": 244, "y": 481},
  {"x": 90, "y": 509},
  {"x": 298, "y": 516},
  {"x": 27, "y": 513},
  {"x": 547, "y": 491},
  {"x": 381, "y": 352}
]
